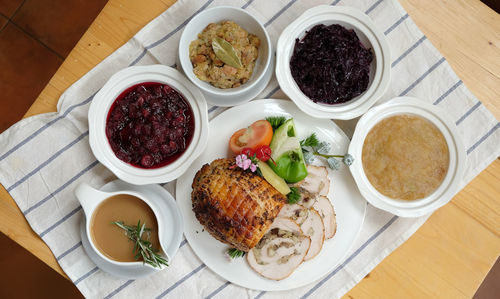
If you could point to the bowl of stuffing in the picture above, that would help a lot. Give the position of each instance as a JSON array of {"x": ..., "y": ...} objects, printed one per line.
[
  {"x": 333, "y": 62},
  {"x": 227, "y": 54}
]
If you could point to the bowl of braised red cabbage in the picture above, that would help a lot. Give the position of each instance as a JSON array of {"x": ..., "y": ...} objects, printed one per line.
[
  {"x": 147, "y": 124},
  {"x": 333, "y": 62}
]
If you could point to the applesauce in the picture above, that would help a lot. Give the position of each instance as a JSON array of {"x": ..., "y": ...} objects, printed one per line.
[{"x": 405, "y": 157}]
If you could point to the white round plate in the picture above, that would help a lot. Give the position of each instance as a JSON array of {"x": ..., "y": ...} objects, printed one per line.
[
  {"x": 347, "y": 201},
  {"x": 165, "y": 204}
]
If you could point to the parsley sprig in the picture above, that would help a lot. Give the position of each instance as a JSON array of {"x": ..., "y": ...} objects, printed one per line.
[{"x": 293, "y": 196}]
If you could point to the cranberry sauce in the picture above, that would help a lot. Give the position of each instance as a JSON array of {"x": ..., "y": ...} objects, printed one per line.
[
  {"x": 330, "y": 65},
  {"x": 150, "y": 125}
]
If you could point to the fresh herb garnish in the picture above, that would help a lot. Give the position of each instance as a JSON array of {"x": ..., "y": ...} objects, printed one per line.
[
  {"x": 276, "y": 121},
  {"x": 293, "y": 196},
  {"x": 142, "y": 248},
  {"x": 310, "y": 141},
  {"x": 312, "y": 148},
  {"x": 234, "y": 253}
]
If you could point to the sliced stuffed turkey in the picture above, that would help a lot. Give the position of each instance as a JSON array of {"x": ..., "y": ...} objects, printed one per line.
[
  {"x": 280, "y": 251},
  {"x": 311, "y": 224},
  {"x": 317, "y": 180},
  {"x": 327, "y": 213}
]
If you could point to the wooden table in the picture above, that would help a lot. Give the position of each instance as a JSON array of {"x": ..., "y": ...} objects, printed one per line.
[{"x": 450, "y": 255}]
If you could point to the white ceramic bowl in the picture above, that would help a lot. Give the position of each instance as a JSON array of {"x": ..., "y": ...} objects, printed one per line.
[
  {"x": 263, "y": 66},
  {"x": 445, "y": 192},
  {"x": 102, "y": 102},
  {"x": 368, "y": 34},
  {"x": 165, "y": 209}
]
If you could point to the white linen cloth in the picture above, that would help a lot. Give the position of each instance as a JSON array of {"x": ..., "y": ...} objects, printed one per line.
[{"x": 43, "y": 158}]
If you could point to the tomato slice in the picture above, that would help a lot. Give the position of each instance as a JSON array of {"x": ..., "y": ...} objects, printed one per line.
[{"x": 257, "y": 134}]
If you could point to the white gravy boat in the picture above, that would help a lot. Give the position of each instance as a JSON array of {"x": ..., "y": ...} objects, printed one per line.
[{"x": 90, "y": 199}]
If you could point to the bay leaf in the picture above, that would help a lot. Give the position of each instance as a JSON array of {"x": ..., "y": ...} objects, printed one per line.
[{"x": 225, "y": 52}]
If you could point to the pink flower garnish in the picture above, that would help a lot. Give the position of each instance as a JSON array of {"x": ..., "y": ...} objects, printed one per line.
[
  {"x": 244, "y": 162},
  {"x": 240, "y": 159}
]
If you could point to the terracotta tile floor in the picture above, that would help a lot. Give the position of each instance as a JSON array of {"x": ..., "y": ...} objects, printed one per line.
[{"x": 35, "y": 37}]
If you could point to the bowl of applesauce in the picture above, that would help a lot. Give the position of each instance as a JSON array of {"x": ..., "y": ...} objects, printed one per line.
[{"x": 409, "y": 159}]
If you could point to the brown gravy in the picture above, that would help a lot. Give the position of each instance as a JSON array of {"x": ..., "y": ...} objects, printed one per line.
[
  {"x": 405, "y": 157},
  {"x": 110, "y": 239}
]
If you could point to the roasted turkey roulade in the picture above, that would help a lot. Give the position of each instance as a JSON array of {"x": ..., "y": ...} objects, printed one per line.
[{"x": 235, "y": 206}]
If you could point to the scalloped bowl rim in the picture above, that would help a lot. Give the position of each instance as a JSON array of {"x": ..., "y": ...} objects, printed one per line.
[
  {"x": 105, "y": 97},
  {"x": 363, "y": 25},
  {"x": 451, "y": 183}
]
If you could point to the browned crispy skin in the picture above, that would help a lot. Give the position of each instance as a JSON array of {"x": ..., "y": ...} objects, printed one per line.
[{"x": 234, "y": 206}]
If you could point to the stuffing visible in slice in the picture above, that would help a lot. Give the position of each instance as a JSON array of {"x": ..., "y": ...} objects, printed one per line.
[
  {"x": 307, "y": 199},
  {"x": 316, "y": 181},
  {"x": 311, "y": 224},
  {"x": 280, "y": 251}
]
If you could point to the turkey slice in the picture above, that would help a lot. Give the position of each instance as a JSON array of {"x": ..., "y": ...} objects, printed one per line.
[
  {"x": 327, "y": 213},
  {"x": 280, "y": 251},
  {"x": 316, "y": 181},
  {"x": 307, "y": 199},
  {"x": 311, "y": 224}
]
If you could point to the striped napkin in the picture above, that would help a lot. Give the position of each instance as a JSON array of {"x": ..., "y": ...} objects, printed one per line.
[{"x": 43, "y": 158}]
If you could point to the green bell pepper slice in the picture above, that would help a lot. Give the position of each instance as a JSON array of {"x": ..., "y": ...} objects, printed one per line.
[
  {"x": 290, "y": 166},
  {"x": 287, "y": 154}
]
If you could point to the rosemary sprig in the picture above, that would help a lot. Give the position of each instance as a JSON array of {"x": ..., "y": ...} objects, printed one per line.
[
  {"x": 276, "y": 121},
  {"x": 293, "y": 196},
  {"x": 142, "y": 248},
  {"x": 234, "y": 253}
]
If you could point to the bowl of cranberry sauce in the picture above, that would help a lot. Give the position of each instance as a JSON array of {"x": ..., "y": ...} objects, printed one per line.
[
  {"x": 147, "y": 124},
  {"x": 150, "y": 125}
]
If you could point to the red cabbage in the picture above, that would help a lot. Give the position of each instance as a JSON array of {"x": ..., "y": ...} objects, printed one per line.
[{"x": 330, "y": 64}]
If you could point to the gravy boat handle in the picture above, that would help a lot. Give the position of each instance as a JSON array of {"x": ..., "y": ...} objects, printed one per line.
[{"x": 89, "y": 197}]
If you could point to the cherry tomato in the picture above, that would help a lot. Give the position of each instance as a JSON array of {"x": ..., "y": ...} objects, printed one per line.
[
  {"x": 248, "y": 152},
  {"x": 263, "y": 153},
  {"x": 257, "y": 134}
]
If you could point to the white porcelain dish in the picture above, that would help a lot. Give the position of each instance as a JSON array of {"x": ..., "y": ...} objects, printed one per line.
[
  {"x": 368, "y": 34},
  {"x": 263, "y": 66},
  {"x": 102, "y": 102},
  {"x": 348, "y": 203},
  {"x": 444, "y": 193},
  {"x": 164, "y": 205}
]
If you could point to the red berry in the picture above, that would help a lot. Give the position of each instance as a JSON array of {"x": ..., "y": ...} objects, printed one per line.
[
  {"x": 248, "y": 152},
  {"x": 263, "y": 153}
]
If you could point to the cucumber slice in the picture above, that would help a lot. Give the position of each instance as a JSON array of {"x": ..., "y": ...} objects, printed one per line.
[{"x": 272, "y": 178}]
